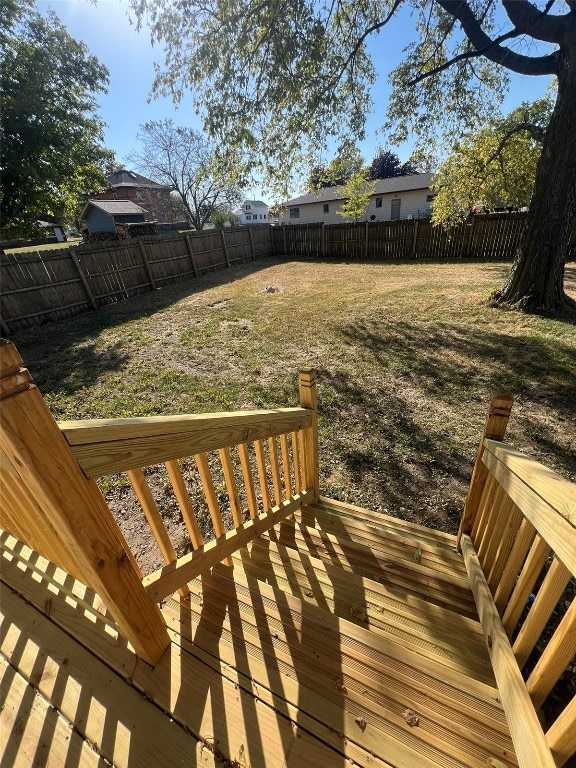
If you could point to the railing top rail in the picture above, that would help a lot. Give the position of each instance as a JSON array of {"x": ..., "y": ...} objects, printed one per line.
[
  {"x": 547, "y": 500},
  {"x": 106, "y": 446}
]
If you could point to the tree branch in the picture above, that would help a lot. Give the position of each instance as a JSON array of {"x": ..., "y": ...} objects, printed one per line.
[
  {"x": 491, "y": 49},
  {"x": 530, "y": 21}
]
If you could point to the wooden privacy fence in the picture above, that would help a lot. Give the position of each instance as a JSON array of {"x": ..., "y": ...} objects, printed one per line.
[
  {"x": 52, "y": 285},
  {"x": 494, "y": 236}
]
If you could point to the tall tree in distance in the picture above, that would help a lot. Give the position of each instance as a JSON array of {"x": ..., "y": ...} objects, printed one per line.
[
  {"x": 296, "y": 75},
  {"x": 347, "y": 164},
  {"x": 387, "y": 164},
  {"x": 50, "y": 134},
  {"x": 184, "y": 160}
]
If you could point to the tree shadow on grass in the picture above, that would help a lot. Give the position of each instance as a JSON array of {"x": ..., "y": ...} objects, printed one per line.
[
  {"x": 406, "y": 434},
  {"x": 65, "y": 354}
]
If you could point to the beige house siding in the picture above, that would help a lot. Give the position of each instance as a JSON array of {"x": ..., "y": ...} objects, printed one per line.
[{"x": 413, "y": 204}]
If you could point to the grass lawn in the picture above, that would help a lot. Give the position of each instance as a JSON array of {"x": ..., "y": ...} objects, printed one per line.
[
  {"x": 72, "y": 242},
  {"x": 407, "y": 356}
]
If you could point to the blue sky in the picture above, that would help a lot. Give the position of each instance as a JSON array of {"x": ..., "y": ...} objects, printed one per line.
[{"x": 105, "y": 28}]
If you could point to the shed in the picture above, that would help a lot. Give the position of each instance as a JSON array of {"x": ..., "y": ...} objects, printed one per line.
[{"x": 103, "y": 215}]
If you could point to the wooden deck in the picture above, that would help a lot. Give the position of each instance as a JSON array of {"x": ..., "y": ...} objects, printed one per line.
[{"x": 342, "y": 637}]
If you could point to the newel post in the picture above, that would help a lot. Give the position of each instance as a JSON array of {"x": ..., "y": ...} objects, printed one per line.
[
  {"x": 52, "y": 503},
  {"x": 494, "y": 429},
  {"x": 309, "y": 400}
]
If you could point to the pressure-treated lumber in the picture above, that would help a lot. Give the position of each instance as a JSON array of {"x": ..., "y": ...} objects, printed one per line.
[
  {"x": 309, "y": 400},
  {"x": 126, "y": 728},
  {"x": 106, "y": 446},
  {"x": 231, "y": 487},
  {"x": 248, "y": 480},
  {"x": 561, "y": 737},
  {"x": 167, "y": 580},
  {"x": 547, "y": 598},
  {"x": 38, "y": 734},
  {"x": 494, "y": 428},
  {"x": 547, "y": 500},
  {"x": 184, "y": 502},
  {"x": 525, "y": 728},
  {"x": 81, "y": 525}
]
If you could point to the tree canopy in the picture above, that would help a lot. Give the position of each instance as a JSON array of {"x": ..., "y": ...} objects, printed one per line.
[
  {"x": 183, "y": 159},
  {"x": 494, "y": 167},
  {"x": 293, "y": 76},
  {"x": 386, "y": 165},
  {"x": 50, "y": 134},
  {"x": 347, "y": 163}
]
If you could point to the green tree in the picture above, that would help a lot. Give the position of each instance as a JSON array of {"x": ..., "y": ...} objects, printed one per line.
[
  {"x": 340, "y": 170},
  {"x": 386, "y": 165},
  {"x": 50, "y": 134},
  {"x": 291, "y": 76},
  {"x": 357, "y": 192},
  {"x": 182, "y": 158},
  {"x": 495, "y": 167}
]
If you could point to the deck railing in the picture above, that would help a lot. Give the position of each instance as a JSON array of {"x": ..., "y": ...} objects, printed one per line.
[
  {"x": 52, "y": 502},
  {"x": 259, "y": 457},
  {"x": 518, "y": 539}
]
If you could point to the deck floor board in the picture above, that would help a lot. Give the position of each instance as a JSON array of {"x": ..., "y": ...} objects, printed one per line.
[{"x": 328, "y": 646}]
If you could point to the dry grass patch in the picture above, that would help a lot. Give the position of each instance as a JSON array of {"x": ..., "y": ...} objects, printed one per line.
[{"x": 407, "y": 353}]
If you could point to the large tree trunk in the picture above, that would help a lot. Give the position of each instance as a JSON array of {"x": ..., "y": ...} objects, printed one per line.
[{"x": 536, "y": 282}]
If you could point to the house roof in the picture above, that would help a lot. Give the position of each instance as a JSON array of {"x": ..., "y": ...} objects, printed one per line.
[
  {"x": 381, "y": 187},
  {"x": 114, "y": 207},
  {"x": 124, "y": 178},
  {"x": 255, "y": 202}
]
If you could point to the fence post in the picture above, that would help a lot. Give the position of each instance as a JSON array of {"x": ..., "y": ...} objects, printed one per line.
[
  {"x": 284, "y": 239},
  {"x": 225, "y": 247},
  {"x": 415, "y": 240},
  {"x": 251, "y": 236},
  {"x": 191, "y": 254},
  {"x": 147, "y": 265},
  {"x": 309, "y": 400},
  {"x": 470, "y": 235},
  {"x": 366, "y": 245},
  {"x": 323, "y": 243},
  {"x": 58, "y": 506},
  {"x": 494, "y": 429},
  {"x": 83, "y": 278}
]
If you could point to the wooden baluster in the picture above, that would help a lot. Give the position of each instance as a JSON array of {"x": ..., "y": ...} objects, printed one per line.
[
  {"x": 505, "y": 547},
  {"x": 535, "y": 561},
  {"x": 561, "y": 736},
  {"x": 248, "y": 480},
  {"x": 548, "y": 595},
  {"x": 183, "y": 499},
  {"x": 276, "y": 482},
  {"x": 493, "y": 529},
  {"x": 479, "y": 525},
  {"x": 211, "y": 498},
  {"x": 296, "y": 461},
  {"x": 520, "y": 549},
  {"x": 230, "y": 480},
  {"x": 150, "y": 509},
  {"x": 559, "y": 652},
  {"x": 72, "y": 509},
  {"x": 494, "y": 429},
  {"x": 261, "y": 464},
  {"x": 286, "y": 465}
]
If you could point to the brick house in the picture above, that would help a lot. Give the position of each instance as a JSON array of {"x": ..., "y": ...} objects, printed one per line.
[{"x": 148, "y": 194}]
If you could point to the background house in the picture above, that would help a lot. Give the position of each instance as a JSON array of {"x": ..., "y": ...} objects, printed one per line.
[
  {"x": 153, "y": 197},
  {"x": 103, "y": 215},
  {"x": 401, "y": 197},
  {"x": 252, "y": 212}
]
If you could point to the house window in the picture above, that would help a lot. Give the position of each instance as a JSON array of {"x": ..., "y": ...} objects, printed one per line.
[
  {"x": 326, "y": 208},
  {"x": 264, "y": 216},
  {"x": 378, "y": 202},
  {"x": 430, "y": 198},
  {"x": 138, "y": 195},
  {"x": 294, "y": 213},
  {"x": 248, "y": 217},
  {"x": 246, "y": 207}
]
